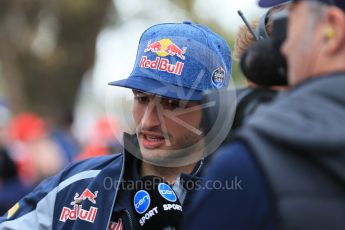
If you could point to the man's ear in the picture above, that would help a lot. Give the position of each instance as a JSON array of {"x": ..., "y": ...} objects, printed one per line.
[{"x": 334, "y": 32}]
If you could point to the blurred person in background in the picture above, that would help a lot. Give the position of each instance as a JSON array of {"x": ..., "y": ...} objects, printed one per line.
[
  {"x": 5, "y": 116},
  {"x": 289, "y": 156},
  {"x": 176, "y": 63},
  {"x": 64, "y": 138},
  {"x": 103, "y": 139},
  {"x": 36, "y": 155},
  {"x": 11, "y": 187},
  {"x": 262, "y": 28}
]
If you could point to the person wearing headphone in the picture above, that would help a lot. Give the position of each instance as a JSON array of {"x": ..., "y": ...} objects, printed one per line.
[
  {"x": 287, "y": 163},
  {"x": 251, "y": 47},
  {"x": 247, "y": 36}
]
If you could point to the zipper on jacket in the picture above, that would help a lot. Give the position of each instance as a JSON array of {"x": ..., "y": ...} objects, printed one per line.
[
  {"x": 129, "y": 218},
  {"x": 117, "y": 189}
]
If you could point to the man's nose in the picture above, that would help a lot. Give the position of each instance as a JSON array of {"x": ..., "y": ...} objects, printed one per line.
[{"x": 151, "y": 118}]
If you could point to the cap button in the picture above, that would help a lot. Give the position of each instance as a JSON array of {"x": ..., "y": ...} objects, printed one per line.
[{"x": 187, "y": 22}]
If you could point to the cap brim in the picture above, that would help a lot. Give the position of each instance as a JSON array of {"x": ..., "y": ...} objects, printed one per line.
[
  {"x": 159, "y": 88},
  {"x": 271, "y": 3}
]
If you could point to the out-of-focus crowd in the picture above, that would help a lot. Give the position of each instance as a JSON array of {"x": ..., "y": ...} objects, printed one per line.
[{"x": 31, "y": 149}]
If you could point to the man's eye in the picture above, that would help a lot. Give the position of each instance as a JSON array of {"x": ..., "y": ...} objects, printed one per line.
[
  {"x": 142, "y": 99},
  {"x": 171, "y": 104}
]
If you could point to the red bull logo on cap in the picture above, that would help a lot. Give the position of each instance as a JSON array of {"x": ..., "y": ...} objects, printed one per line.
[{"x": 163, "y": 48}]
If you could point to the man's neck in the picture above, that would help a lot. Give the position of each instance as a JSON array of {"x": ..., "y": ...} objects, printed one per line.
[{"x": 167, "y": 173}]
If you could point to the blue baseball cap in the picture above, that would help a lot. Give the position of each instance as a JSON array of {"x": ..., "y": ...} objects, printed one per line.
[
  {"x": 270, "y": 3},
  {"x": 179, "y": 61}
]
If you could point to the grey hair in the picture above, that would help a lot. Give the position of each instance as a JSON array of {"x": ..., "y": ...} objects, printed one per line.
[{"x": 317, "y": 11}]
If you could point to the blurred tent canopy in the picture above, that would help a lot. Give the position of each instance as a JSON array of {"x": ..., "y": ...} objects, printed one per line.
[{"x": 45, "y": 49}]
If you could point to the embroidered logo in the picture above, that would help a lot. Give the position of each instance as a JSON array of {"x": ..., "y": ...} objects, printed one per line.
[
  {"x": 115, "y": 225},
  {"x": 163, "y": 48},
  {"x": 78, "y": 212}
]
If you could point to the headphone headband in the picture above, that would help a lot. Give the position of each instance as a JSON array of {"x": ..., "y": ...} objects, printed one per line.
[{"x": 261, "y": 26}]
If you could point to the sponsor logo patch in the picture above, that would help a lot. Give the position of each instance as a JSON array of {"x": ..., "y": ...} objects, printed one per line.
[
  {"x": 218, "y": 77},
  {"x": 161, "y": 64},
  {"x": 167, "y": 192},
  {"x": 142, "y": 201},
  {"x": 115, "y": 225},
  {"x": 86, "y": 194},
  {"x": 77, "y": 212},
  {"x": 163, "y": 48}
]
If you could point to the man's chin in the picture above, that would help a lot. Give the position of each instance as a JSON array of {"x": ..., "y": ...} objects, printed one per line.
[
  {"x": 153, "y": 155},
  {"x": 167, "y": 158}
]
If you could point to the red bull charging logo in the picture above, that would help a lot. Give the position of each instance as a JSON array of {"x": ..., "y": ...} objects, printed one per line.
[
  {"x": 78, "y": 212},
  {"x": 163, "y": 48},
  {"x": 86, "y": 194}
]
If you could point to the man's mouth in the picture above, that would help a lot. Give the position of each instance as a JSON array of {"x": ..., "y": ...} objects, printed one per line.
[{"x": 151, "y": 140}]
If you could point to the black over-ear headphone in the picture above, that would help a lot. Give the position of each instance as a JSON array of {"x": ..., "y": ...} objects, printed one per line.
[{"x": 262, "y": 63}]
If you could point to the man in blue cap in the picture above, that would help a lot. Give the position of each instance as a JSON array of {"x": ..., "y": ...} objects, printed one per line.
[
  {"x": 290, "y": 156},
  {"x": 175, "y": 64}
]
